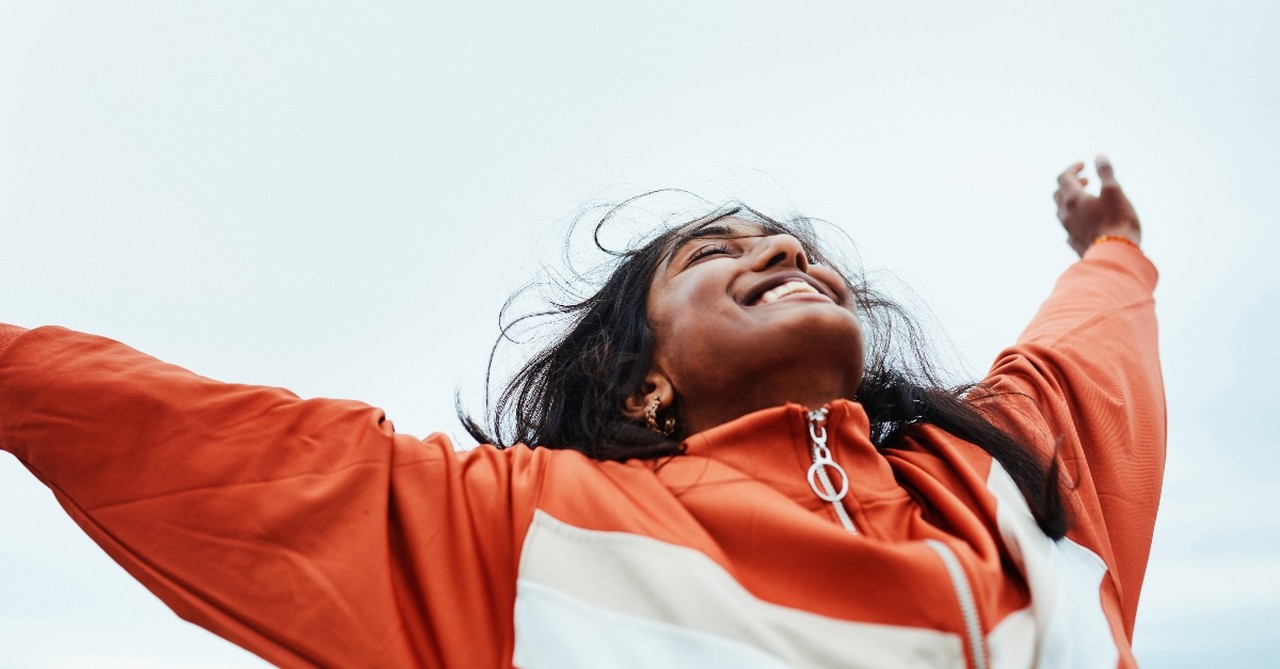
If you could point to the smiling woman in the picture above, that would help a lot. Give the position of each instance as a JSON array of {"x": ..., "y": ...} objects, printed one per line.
[
  {"x": 730, "y": 313},
  {"x": 735, "y": 455}
]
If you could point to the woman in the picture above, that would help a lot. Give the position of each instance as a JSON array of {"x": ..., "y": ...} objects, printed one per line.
[{"x": 739, "y": 472}]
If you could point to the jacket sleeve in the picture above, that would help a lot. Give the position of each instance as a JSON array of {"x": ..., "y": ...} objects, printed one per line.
[
  {"x": 1084, "y": 383},
  {"x": 308, "y": 532}
]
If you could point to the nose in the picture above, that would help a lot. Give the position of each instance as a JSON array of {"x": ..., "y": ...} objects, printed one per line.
[{"x": 779, "y": 249}]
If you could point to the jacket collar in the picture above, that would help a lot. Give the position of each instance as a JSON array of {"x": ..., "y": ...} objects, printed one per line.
[{"x": 773, "y": 446}]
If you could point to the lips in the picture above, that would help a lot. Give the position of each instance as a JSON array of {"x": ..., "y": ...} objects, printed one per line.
[{"x": 777, "y": 287}]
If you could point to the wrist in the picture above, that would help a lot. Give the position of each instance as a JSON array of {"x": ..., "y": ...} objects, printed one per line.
[{"x": 1114, "y": 238}]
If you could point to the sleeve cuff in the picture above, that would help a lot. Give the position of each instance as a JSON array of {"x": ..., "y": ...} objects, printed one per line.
[{"x": 1130, "y": 257}]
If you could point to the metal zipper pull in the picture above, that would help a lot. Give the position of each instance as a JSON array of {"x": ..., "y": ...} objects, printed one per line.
[{"x": 819, "y": 480}]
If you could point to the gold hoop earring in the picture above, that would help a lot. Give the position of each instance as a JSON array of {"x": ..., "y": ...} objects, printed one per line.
[{"x": 651, "y": 418}]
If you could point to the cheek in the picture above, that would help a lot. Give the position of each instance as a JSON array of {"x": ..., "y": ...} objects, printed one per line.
[
  {"x": 669, "y": 333},
  {"x": 688, "y": 331}
]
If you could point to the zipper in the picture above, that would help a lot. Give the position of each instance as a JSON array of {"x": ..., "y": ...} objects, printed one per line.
[
  {"x": 819, "y": 480},
  {"x": 968, "y": 606}
]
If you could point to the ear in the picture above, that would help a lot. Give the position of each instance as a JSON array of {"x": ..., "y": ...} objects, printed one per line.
[{"x": 655, "y": 384}]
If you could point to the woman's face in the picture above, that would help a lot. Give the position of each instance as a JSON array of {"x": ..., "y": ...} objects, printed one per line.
[{"x": 742, "y": 321}]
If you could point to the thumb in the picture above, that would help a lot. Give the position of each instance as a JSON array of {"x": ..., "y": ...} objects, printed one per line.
[{"x": 1106, "y": 174}]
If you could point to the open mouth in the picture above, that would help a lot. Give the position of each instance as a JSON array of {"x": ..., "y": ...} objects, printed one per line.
[{"x": 792, "y": 287}]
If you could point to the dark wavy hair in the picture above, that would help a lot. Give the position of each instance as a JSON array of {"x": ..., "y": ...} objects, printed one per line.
[{"x": 571, "y": 393}]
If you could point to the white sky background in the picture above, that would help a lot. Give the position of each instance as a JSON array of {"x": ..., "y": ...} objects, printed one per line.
[{"x": 337, "y": 199}]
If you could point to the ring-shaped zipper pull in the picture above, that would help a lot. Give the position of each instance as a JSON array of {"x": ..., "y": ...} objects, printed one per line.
[
  {"x": 817, "y": 473},
  {"x": 818, "y": 478}
]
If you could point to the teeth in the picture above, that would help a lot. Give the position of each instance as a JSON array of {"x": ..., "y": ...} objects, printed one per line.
[{"x": 786, "y": 289}]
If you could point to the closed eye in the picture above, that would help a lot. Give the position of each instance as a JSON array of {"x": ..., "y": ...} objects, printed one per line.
[{"x": 709, "y": 250}]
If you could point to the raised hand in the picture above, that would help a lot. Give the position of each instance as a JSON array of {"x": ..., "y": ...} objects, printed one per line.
[{"x": 1087, "y": 217}]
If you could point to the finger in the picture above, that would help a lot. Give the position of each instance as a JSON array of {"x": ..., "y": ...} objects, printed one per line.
[
  {"x": 1067, "y": 180},
  {"x": 1106, "y": 173}
]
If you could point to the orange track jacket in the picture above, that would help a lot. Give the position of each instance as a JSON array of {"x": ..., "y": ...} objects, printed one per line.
[{"x": 310, "y": 533}]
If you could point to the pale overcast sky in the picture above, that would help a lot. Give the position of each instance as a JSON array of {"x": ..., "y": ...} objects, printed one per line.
[{"x": 337, "y": 197}]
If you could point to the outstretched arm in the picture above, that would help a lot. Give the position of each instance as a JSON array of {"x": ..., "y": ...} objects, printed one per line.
[
  {"x": 1083, "y": 383},
  {"x": 306, "y": 531}
]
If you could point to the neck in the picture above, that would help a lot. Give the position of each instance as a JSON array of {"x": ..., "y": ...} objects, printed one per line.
[{"x": 702, "y": 409}]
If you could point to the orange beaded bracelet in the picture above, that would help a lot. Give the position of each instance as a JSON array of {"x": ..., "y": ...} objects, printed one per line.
[{"x": 1116, "y": 238}]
